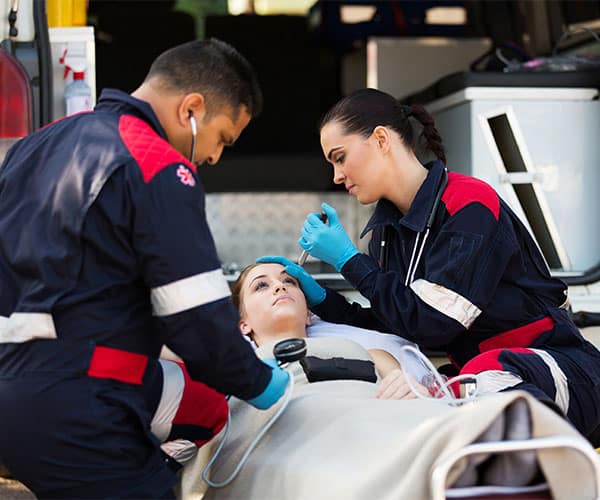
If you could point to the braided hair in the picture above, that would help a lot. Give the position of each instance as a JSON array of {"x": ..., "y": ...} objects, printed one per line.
[{"x": 363, "y": 110}]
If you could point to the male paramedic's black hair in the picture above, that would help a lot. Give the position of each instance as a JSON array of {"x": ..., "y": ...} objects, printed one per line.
[
  {"x": 365, "y": 109},
  {"x": 212, "y": 68}
]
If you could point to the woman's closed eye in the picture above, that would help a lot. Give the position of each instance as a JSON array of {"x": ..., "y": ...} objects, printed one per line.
[
  {"x": 291, "y": 280},
  {"x": 340, "y": 159},
  {"x": 259, "y": 285}
]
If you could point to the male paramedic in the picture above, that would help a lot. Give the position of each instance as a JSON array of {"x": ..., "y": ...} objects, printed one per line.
[{"x": 106, "y": 255}]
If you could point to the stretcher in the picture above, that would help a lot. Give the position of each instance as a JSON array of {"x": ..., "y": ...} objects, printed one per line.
[{"x": 334, "y": 440}]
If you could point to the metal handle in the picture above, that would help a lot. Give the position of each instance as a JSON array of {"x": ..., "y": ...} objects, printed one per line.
[{"x": 440, "y": 472}]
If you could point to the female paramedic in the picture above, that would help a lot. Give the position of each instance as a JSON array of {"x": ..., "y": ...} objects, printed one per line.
[{"x": 450, "y": 266}]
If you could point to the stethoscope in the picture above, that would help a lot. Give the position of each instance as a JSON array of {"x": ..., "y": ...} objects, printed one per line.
[
  {"x": 384, "y": 249},
  {"x": 285, "y": 352}
]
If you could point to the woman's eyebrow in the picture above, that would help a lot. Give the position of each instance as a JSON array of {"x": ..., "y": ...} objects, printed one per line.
[
  {"x": 257, "y": 277},
  {"x": 333, "y": 150},
  {"x": 289, "y": 275}
]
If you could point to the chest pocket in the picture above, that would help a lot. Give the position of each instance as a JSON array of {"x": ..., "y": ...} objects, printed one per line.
[{"x": 461, "y": 248}]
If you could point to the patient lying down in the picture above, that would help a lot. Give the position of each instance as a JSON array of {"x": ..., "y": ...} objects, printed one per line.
[{"x": 272, "y": 307}]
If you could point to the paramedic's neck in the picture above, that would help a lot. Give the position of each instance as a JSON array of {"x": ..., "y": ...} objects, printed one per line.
[
  {"x": 409, "y": 176},
  {"x": 161, "y": 103}
]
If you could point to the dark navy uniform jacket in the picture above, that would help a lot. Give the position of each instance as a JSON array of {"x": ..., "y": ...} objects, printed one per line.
[
  {"x": 106, "y": 255},
  {"x": 481, "y": 282}
]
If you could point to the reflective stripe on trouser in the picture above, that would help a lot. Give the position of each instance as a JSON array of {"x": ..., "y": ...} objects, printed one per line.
[
  {"x": 570, "y": 377},
  {"x": 189, "y": 413}
]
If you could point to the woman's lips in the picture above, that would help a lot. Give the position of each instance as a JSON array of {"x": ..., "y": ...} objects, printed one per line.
[{"x": 283, "y": 297}]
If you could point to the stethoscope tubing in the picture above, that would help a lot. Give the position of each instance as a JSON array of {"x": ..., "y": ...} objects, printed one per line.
[{"x": 384, "y": 249}]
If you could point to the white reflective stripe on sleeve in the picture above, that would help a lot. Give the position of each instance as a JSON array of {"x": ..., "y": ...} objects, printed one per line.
[
  {"x": 180, "y": 450},
  {"x": 22, "y": 327},
  {"x": 560, "y": 379},
  {"x": 188, "y": 293},
  {"x": 170, "y": 398},
  {"x": 446, "y": 301}
]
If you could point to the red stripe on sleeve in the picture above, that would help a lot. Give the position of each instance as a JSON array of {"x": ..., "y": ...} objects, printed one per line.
[
  {"x": 151, "y": 152},
  {"x": 463, "y": 190}
]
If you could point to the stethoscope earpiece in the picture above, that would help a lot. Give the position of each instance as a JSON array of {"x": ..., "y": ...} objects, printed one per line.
[
  {"x": 193, "y": 123},
  {"x": 194, "y": 127}
]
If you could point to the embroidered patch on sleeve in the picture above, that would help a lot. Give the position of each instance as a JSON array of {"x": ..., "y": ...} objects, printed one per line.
[{"x": 185, "y": 176}]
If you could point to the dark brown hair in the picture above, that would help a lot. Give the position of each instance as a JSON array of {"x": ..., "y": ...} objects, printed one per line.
[
  {"x": 365, "y": 109},
  {"x": 213, "y": 68},
  {"x": 236, "y": 288}
]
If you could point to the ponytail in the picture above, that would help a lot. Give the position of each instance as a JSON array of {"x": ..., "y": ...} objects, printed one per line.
[
  {"x": 365, "y": 109},
  {"x": 432, "y": 136}
]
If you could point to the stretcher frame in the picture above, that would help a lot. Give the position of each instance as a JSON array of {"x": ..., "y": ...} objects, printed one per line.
[{"x": 440, "y": 472}]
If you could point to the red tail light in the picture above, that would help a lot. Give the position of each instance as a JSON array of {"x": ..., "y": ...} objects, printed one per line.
[{"x": 15, "y": 98}]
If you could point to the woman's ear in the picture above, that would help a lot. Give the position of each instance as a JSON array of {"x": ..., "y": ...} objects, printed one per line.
[
  {"x": 244, "y": 327},
  {"x": 381, "y": 136}
]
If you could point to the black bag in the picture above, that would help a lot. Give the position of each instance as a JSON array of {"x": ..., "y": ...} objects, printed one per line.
[{"x": 318, "y": 369}]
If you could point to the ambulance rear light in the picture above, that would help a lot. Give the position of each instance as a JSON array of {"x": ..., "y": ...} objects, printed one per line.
[{"x": 16, "y": 115}]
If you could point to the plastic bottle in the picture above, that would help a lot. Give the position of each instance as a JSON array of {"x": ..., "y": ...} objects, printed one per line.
[{"x": 78, "y": 95}]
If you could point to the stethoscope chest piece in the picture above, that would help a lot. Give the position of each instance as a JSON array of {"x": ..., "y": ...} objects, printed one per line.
[{"x": 289, "y": 350}]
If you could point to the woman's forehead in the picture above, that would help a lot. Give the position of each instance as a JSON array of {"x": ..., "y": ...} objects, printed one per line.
[
  {"x": 265, "y": 270},
  {"x": 333, "y": 131}
]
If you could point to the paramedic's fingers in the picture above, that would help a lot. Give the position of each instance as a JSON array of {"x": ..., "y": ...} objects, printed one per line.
[
  {"x": 273, "y": 259},
  {"x": 275, "y": 388},
  {"x": 328, "y": 242},
  {"x": 394, "y": 386},
  {"x": 315, "y": 293}
]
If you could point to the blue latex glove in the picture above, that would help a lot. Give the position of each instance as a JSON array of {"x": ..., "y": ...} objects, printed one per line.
[
  {"x": 314, "y": 293},
  {"x": 328, "y": 242},
  {"x": 275, "y": 388}
]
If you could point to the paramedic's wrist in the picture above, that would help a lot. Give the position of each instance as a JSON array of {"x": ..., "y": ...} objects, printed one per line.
[
  {"x": 275, "y": 388},
  {"x": 314, "y": 293},
  {"x": 348, "y": 253}
]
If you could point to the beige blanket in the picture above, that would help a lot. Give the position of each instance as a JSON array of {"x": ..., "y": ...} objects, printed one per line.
[{"x": 335, "y": 440}]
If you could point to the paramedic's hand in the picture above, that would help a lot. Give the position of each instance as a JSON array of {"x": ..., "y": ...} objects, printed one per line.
[
  {"x": 328, "y": 242},
  {"x": 395, "y": 386},
  {"x": 275, "y": 388},
  {"x": 315, "y": 293}
]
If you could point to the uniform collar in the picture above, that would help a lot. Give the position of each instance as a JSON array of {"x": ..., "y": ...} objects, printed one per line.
[
  {"x": 386, "y": 213},
  {"x": 119, "y": 101}
]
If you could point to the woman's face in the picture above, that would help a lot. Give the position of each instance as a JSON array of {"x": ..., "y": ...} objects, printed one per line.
[
  {"x": 356, "y": 161},
  {"x": 272, "y": 304}
]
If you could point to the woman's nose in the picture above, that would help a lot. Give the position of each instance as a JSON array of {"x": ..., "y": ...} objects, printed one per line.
[
  {"x": 279, "y": 287},
  {"x": 338, "y": 175}
]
